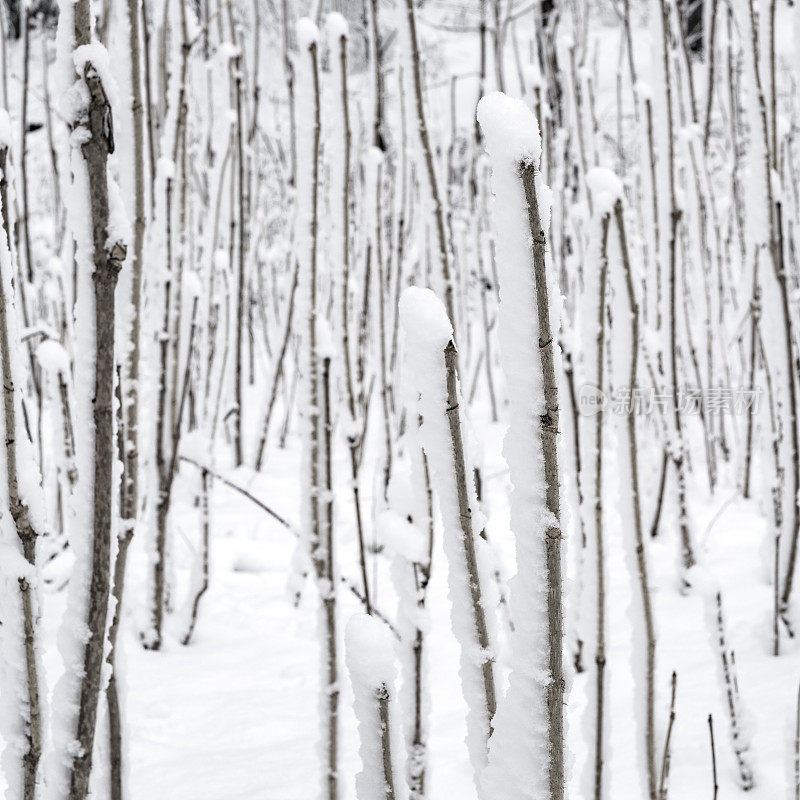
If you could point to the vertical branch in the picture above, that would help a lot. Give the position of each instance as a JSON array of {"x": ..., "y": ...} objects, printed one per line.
[
  {"x": 352, "y": 438},
  {"x": 288, "y": 71},
  {"x": 549, "y": 429},
  {"x": 100, "y": 268},
  {"x": 23, "y": 147},
  {"x": 739, "y": 738},
  {"x": 597, "y": 503},
  {"x": 25, "y": 628},
  {"x": 468, "y": 536},
  {"x": 431, "y": 366},
  {"x": 666, "y": 759},
  {"x": 641, "y": 559},
  {"x": 170, "y": 404},
  {"x": 430, "y": 168},
  {"x": 796, "y": 765},
  {"x": 713, "y": 756},
  {"x": 130, "y": 495},
  {"x": 205, "y": 527},
  {"x": 326, "y": 574},
  {"x": 378, "y": 128},
  {"x": 779, "y": 268},
  {"x": 317, "y": 440},
  {"x": 241, "y": 283},
  {"x": 677, "y": 447}
]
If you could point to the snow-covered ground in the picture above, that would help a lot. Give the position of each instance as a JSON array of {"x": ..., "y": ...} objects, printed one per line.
[{"x": 234, "y": 715}]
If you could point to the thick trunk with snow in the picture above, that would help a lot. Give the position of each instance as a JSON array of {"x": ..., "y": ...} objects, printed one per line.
[
  {"x": 527, "y": 750},
  {"x": 100, "y": 255}
]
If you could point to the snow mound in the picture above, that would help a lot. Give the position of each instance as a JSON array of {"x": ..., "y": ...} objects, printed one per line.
[
  {"x": 337, "y": 27},
  {"x": 424, "y": 318},
  {"x": 605, "y": 187},
  {"x": 403, "y": 537},
  {"x": 511, "y": 130},
  {"x": 369, "y": 651},
  {"x": 307, "y": 33}
]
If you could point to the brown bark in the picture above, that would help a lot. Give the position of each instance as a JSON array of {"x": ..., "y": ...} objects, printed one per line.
[
  {"x": 378, "y": 128},
  {"x": 278, "y": 375},
  {"x": 677, "y": 446},
  {"x": 641, "y": 560},
  {"x": 549, "y": 429},
  {"x": 23, "y": 160},
  {"x": 600, "y": 652},
  {"x": 204, "y": 563},
  {"x": 130, "y": 455},
  {"x": 107, "y": 262},
  {"x": 779, "y": 267},
  {"x": 666, "y": 759},
  {"x": 170, "y": 402},
  {"x": 430, "y": 168},
  {"x": 468, "y": 534},
  {"x": 20, "y": 514},
  {"x": 241, "y": 284},
  {"x": 320, "y": 457},
  {"x": 382, "y": 696},
  {"x": 168, "y": 468},
  {"x": 352, "y": 439}
]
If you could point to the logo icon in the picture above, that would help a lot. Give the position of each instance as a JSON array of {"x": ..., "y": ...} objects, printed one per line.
[{"x": 591, "y": 400}]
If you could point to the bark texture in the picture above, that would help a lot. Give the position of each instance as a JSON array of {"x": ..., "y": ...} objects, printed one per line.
[
  {"x": 549, "y": 428},
  {"x": 108, "y": 257}
]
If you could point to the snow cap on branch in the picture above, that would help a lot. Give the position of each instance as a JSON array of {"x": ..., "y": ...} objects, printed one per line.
[
  {"x": 532, "y": 76},
  {"x": 337, "y": 27},
  {"x": 605, "y": 188},
  {"x": 192, "y": 284},
  {"x": 96, "y": 55},
  {"x": 307, "y": 33},
  {"x": 510, "y": 129},
  {"x": 374, "y": 160},
  {"x": 227, "y": 52},
  {"x": 369, "y": 651},
  {"x": 326, "y": 349},
  {"x": 424, "y": 318},
  {"x": 403, "y": 537}
]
